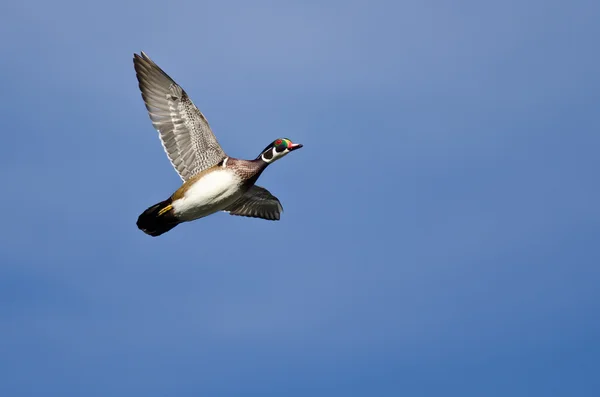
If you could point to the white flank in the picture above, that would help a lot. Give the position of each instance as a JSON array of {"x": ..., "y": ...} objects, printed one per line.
[{"x": 211, "y": 193}]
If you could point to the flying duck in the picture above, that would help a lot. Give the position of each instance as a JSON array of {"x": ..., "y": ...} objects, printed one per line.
[{"x": 212, "y": 181}]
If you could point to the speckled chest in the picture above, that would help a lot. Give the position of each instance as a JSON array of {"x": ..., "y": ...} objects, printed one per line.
[{"x": 248, "y": 171}]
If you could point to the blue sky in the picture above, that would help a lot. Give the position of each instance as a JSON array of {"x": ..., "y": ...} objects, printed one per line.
[{"x": 440, "y": 233}]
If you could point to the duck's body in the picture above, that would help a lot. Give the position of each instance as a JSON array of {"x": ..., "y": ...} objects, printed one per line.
[
  {"x": 214, "y": 192},
  {"x": 215, "y": 189},
  {"x": 213, "y": 181}
]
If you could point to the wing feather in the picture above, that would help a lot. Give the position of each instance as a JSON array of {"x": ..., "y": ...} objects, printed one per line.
[
  {"x": 184, "y": 132},
  {"x": 257, "y": 202}
]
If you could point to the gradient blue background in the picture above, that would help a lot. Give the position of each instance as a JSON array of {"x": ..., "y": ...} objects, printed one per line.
[{"x": 441, "y": 224}]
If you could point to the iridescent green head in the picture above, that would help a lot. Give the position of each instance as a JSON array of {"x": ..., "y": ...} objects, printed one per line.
[{"x": 277, "y": 149}]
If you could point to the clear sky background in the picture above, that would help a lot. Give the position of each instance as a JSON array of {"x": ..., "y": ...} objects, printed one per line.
[{"x": 441, "y": 224}]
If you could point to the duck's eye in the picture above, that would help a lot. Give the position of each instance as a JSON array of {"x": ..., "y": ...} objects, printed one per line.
[{"x": 278, "y": 142}]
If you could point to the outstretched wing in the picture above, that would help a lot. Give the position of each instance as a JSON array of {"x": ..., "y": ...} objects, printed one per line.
[
  {"x": 257, "y": 202},
  {"x": 184, "y": 131}
]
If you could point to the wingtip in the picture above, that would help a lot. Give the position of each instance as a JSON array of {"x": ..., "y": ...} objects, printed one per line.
[{"x": 141, "y": 55}]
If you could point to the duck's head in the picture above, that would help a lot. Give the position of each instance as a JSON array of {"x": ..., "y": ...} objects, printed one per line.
[{"x": 277, "y": 149}]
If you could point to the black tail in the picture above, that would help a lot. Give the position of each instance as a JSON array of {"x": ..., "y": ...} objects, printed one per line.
[{"x": 157, "y": 219}]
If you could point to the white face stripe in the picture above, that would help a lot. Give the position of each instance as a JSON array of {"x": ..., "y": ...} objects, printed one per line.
[
  {"x": 225, "y": 162},
  {"x": 275, "y": 156},
  {"x": 265, "y": 159}
]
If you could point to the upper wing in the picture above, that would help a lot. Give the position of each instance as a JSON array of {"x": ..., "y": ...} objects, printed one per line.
[
  {"x": 257, "y": 202},
  {"x": 183, "y": 129}
]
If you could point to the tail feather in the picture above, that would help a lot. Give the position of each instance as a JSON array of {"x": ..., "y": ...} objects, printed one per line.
[{"x": 157, "y": 219}]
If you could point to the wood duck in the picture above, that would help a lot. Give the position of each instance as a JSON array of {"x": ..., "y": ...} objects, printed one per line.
[{"x": 212, "y": 181}]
